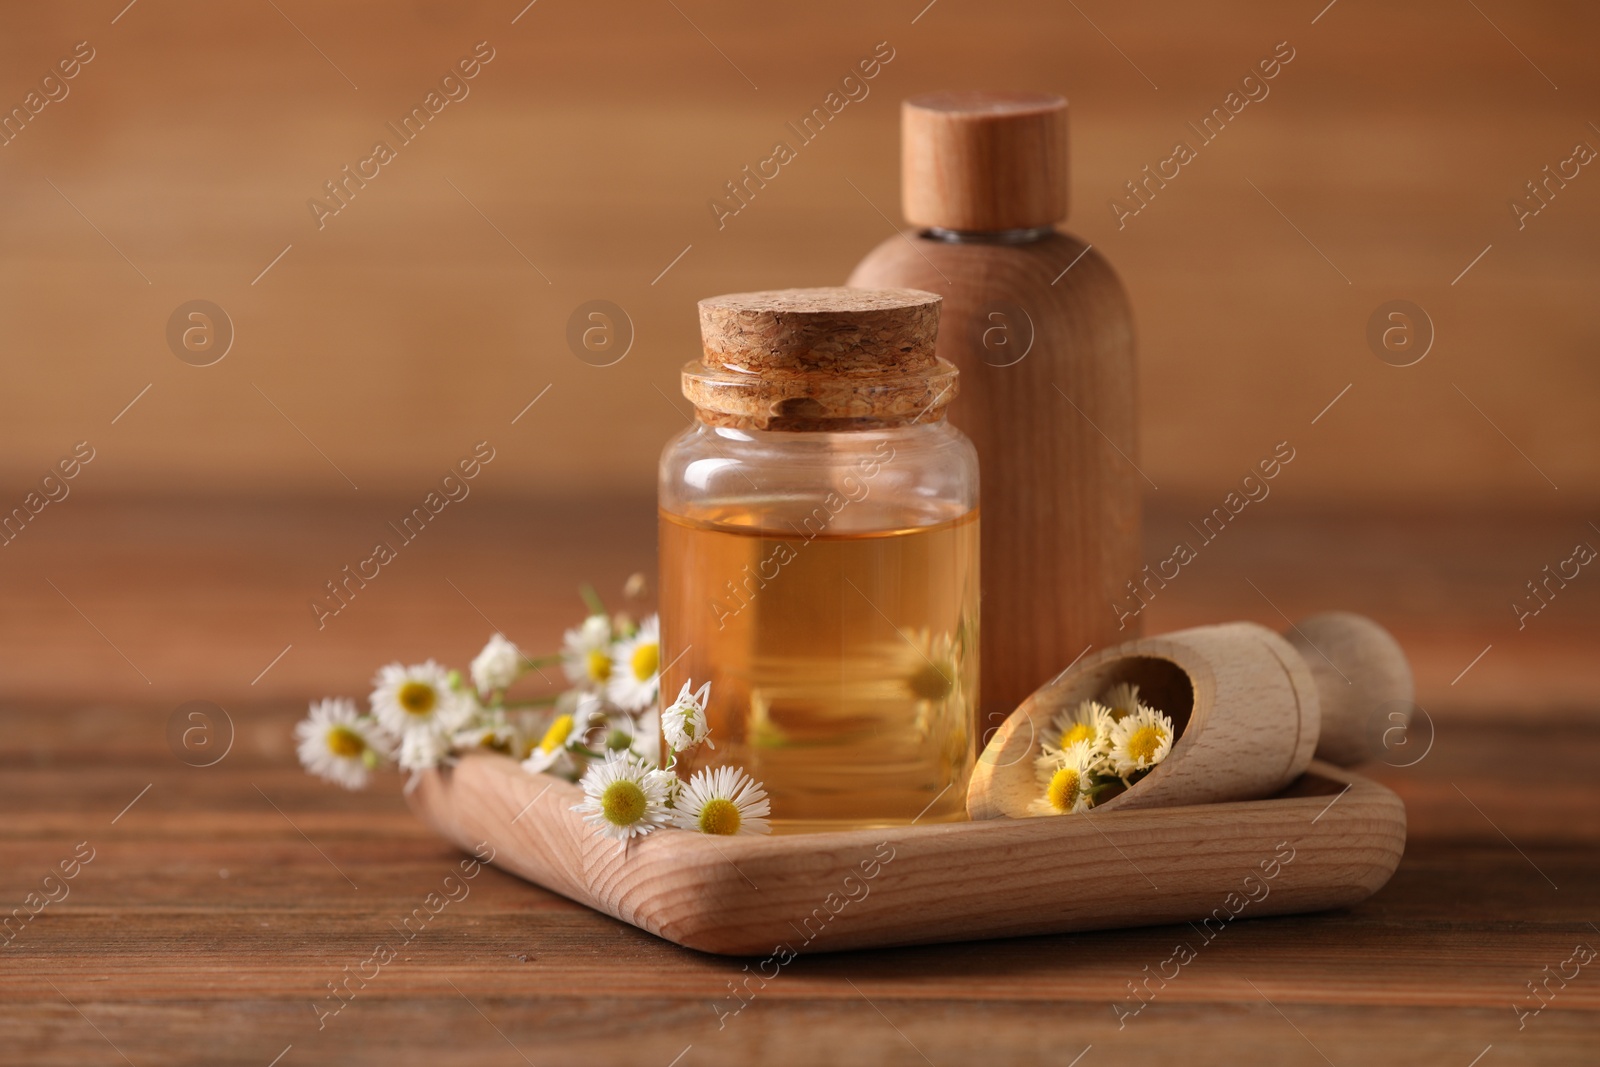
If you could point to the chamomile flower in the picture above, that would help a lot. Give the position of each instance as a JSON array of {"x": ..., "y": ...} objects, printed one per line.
[
  {"x": 489, "y": 729},
  {"x": 684, "y": 723},
  {"x": 672, "y": 786},
  {"x": 935, "y": 679},
  {"x": 617, "y": 730},
  {"x": 1090, "y": 722},
  {"x": 722, "y": 800},
  {"x": 550, "y": 753},
  {"x": 1121, "y": 699},
  {"x": 497, "y": 666},
  {"x": 635, "y": 680},
  {"x": 421, "y": 750},
  {"x": 1066, "y": 775},
  {"x": 935, "y": 672},
  {"x": 338, "y": 744},
  {"x": 624, "y": 798},
  {"x": 411, "y": 702},
  {"x": 567, "y": 728},
  {"x": 586, "y": 653},
  {"x": 1140, "y": 740}
]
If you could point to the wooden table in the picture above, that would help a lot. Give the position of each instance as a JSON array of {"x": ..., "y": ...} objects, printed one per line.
[{"x": 220, "y": 901}]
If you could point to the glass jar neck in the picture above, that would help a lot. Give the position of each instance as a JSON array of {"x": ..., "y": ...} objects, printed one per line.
[{"x": 1026, "y": 235}]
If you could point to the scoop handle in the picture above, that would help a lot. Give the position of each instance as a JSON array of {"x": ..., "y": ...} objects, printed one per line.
[{"x": 1364, "y": 685}]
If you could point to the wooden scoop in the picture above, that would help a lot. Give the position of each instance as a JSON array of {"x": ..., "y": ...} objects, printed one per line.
[{"x": 1250, "y": 708}]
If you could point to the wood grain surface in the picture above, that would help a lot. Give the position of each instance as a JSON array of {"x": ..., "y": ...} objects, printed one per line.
[
  {"x": 780, "y": 895},
  {"x": 218, "y": 907},
  {"x": 983, "y": 161},
  {"x": 1060, "y": 495}
]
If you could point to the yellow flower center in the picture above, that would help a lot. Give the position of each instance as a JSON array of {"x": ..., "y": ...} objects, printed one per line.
[
  {"x": 599, "y": 665},
  {"x": 623, "y": 803},
  {"x": 1144, "y": 742},
  {"x": 719, "y": 816},
  {"x": 557, "y": 735},
  {"x": 1065, "y": 786},
  {"x": 418, "y": 698},
  {"x": 1078, "y": 731},
  {"x": 931, "y": 683},
  {"x": 345, "y": 742},
  {"x": 646, "y": 658}
]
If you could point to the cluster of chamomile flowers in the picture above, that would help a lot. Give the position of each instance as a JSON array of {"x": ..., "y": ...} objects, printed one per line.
[
  {"x": 1100, "y": 744},
  {"x": 424, "y": 715},
  {"x": 626, "y": 797},
  {"x": 603, "y": 729}
]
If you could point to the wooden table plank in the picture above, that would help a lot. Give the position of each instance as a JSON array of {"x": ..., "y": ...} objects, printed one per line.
[
  {"x": 654, "y": 1032},
  {"x": 154, "y": 935}
]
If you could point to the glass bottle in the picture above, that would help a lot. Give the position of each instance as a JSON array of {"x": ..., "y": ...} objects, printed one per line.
[{"x": 819, "y": 556}]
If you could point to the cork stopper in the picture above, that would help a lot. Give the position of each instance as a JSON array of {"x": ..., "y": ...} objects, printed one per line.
[
  {"x": 984, "y": 161},
  {"x": 820, "y": 359}
]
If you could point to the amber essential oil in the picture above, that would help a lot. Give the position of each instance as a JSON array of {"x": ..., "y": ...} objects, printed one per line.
[{"x": 843, "y": 661}]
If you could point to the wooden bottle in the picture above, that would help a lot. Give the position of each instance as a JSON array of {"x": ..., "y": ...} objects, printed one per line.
[
  {"x": 1250, "y": 708},
  {"x": 1040, "y": 328}
]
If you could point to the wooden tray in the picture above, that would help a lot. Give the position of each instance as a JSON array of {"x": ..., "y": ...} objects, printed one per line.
[{"x": 1329, "y": 840}]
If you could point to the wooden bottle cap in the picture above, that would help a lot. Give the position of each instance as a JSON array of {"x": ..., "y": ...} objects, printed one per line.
[
  {"x": 820, "y": 359},
  {"x": 984, "y": 161}
]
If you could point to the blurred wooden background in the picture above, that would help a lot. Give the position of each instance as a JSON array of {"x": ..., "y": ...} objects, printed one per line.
[
  {"x": 427, "y": 314},
  {"x": 434, "y": 307}
]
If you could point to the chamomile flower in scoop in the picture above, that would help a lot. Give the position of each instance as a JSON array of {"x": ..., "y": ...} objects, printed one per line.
[
  {"x": 1090, "y": 722},
  {"x": 1139, "y": 741},
  {"x": 1066, "y": 777},
  {"x": 1121, "y": 699}
]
